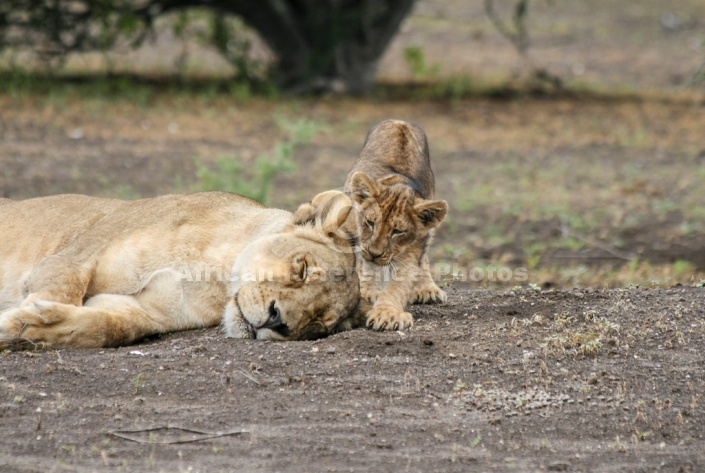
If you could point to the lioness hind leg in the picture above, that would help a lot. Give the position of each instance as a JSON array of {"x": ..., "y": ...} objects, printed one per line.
[
  {"x": 425, "y": 289},
  {"x": 58, "y": 279},
  {"x": 105, "y": 320}
]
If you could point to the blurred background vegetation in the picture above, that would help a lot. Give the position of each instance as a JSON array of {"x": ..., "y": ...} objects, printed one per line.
[{"x": 566, "y": 136}]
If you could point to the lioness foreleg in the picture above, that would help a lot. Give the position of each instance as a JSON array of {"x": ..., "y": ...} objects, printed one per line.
[{"x": 105, "y": 320}]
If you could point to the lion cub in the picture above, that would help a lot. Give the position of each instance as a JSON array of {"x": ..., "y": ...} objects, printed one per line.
[{"x": 392, "y": 187}]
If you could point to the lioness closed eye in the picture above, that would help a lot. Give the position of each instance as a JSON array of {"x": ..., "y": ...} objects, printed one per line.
[{"x": 392, "y": 185}]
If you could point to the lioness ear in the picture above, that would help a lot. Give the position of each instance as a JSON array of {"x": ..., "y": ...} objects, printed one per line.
[
  {"x": 335, "y": 213},
  {"x": 319, "y": 206},
  {"x": 306, "y": 213},
  {"x": 363, "y": 187},
  {"x": 431, "y": 212}
]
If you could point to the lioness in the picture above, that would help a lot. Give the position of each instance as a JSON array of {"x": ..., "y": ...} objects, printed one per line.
[
  {"x": 392, "y": 185},
  {"x": 78, "y": 271}
]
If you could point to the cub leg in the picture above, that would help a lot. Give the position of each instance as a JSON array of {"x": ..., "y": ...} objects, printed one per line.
[
  {"x": 425, "y": 289},
  {"x": 388, "y": 312},
  {"x": 371, "y": 278}
]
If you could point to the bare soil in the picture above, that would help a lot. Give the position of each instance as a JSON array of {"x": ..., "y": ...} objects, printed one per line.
[
  {"x": 480, "y": 384},
  {"x": 596, "y": 189}
]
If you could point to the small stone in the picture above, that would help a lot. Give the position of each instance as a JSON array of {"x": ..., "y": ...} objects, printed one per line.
[
  {"x": 75, "y": 134},
  {"x": 558, "y": 466},
  {"x": 330, "y": 350}
]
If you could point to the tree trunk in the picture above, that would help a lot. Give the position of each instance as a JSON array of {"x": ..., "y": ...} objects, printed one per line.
[{"x": 324, "y": 45}]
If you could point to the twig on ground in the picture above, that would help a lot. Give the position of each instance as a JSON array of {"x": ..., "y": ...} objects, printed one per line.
[
  {"x": 250, "y": 377},
  {"x": 18, "y": 342},
  {"x": 202, "y": 435},
  {"x": 61, "y": 365}
]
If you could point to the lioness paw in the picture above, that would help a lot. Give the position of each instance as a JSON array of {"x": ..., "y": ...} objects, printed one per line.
[
  {"x": 10, "y": 325},
  {"x": 35, "y": 324},
  {"x": 14, "y": 324},
  {"x": 428, "y": 293},
  {"x": 389, "y": 318}
]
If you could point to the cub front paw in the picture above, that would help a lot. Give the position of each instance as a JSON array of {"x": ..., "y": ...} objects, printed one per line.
[
  {"x": 428, "y": 293},
  {"x": 389, "y": 318}
]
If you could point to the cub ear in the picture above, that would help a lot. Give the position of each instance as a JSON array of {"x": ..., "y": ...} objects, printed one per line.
[
  {"x": 362, "y": 187},
  {"x": 431, "y": 212}
]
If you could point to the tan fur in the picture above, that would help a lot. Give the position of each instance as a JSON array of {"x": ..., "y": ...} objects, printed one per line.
[
  {"x": 392, "y": 185},
  {"x": 79, "y": 271}
]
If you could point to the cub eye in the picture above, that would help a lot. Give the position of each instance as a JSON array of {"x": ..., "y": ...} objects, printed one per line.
[
  {"x": 396, "y": 231},
  {"x": 370, "y": 223}
]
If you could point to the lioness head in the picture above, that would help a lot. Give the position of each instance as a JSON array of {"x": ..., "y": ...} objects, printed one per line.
[
  {"x": 390, "y": 217},
  {"x": 295, "y": 285}
]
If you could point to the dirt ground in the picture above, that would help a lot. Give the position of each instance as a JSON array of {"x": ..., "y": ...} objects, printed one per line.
[
  {"x": 490, "y": 381},
  {"x": 593, "y": 364}
]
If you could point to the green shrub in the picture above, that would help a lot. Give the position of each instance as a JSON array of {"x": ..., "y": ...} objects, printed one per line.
[{"x": 229, "y": 173}]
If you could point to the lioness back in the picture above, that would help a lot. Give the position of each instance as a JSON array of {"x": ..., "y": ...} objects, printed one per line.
[{"x": 85, "y": 228}]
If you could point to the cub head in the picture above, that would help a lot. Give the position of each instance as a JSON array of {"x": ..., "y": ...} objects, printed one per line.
[
  {"x": 391, "y": 217},
  {"x": 295, "y": 285}
]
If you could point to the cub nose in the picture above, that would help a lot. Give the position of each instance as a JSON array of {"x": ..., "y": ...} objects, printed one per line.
[{"x": 374, "y": 254}]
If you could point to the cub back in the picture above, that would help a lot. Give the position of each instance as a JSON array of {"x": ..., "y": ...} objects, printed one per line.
[{"x": 396, "y": 152}]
